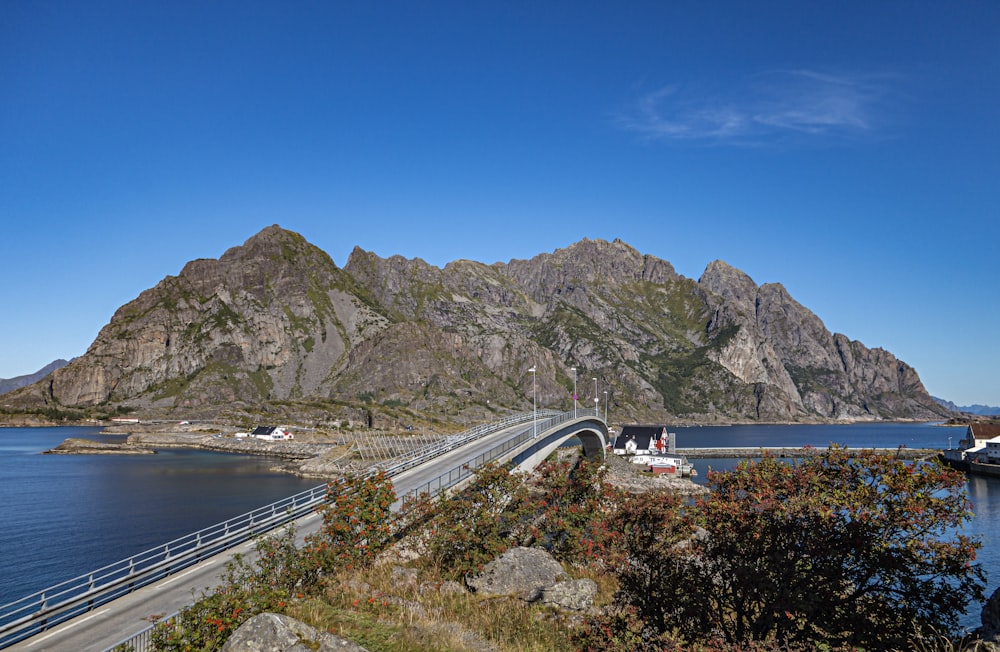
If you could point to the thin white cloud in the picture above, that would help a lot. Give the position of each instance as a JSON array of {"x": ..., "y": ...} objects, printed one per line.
[{"x": 768, "y": 106}]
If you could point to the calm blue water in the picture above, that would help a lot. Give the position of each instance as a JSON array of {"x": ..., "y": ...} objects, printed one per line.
[
  {"x": 860, "y": 435},
  {"x": 65, "y": 515}
]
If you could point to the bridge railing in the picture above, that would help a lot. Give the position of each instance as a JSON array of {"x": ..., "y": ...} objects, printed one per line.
[
  {"x": 453, "y": 476},
  {"x": 419, "y": 456},
  {"x": 142, "y": 641},
  {"x": 47, "y": 608},
  {"x": 55, "y": 604}
]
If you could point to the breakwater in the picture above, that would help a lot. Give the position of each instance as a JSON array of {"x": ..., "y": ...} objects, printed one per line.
[{"x": 798, "y": 451}]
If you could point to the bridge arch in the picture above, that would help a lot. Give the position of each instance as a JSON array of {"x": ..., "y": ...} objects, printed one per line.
[{"x": 591, "y": 431}]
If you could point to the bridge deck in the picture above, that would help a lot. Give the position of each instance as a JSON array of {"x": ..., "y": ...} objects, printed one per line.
[{"x": 106, "y": 623}]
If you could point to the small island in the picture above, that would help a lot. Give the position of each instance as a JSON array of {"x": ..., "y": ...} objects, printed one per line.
[{"x": 76, "y": 446}]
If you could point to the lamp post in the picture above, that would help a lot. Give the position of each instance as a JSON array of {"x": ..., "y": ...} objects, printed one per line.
[
  {"x": 596, "y": 400},
  {"x": 534, "y": 405},
  {"x": 605, "y": 406},
  {"x": 573, "y": 369}
]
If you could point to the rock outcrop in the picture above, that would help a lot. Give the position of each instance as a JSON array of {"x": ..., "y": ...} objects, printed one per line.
[
  {"x": 572, "y": 595},
  {"x": 269, "y": 632},
  {"x": 275, "y": 326},
  {"x": 522, "y": 572},
  {"x": 990, "y": 619},
  {"x": 76, "y": 446},
  {"x": 629, "y": 477}
]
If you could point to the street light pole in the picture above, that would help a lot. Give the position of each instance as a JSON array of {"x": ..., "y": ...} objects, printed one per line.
[
  {"x": 534, "y": 405},
  {"x": 605, "y": 406},
  {"x": 573, "y": 369},
  {"x": 596, "y": 400}
]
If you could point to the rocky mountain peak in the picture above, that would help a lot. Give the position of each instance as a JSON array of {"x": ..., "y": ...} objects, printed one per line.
[
  {"x": 731, "y": 284},
  {"x": 592, "y": 261},
  {"x": 274, "y": 321}
]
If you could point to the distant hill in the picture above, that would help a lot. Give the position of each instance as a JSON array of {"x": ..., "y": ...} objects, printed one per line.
[
  {"x": 10, "y": 384},
  {"x": 275, "y": 327},
  {"x": 981, "y": 410}
]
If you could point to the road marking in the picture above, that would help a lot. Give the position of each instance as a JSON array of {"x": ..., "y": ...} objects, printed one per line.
[
  {"x": 62, "y": 629},
  {"x": 187, "y": 572}
]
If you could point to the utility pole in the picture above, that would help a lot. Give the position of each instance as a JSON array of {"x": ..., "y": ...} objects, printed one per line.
[
  {"x": 596, "y": 400},
  {"x": 534, "y": 405},
  {"x": 573, "y": 369}
]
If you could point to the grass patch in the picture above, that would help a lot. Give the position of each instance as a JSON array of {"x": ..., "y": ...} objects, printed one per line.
[{"x": 383, "y": 613}]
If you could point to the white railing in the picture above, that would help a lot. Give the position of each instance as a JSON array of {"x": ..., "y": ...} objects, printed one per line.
[
  {"x": 417, "y": 457},
  {"x": 56, "y": 604},
  {"x": 455, "y": 475},
  {"x": 142, "y": 641}
]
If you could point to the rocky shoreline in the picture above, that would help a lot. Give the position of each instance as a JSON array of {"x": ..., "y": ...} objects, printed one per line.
[
  {"x": 329, "y": 459},
  {"x": 76, "y": 446},
  {"x": 630, "y": 478},
  {"x": 326, "y": 456},
  {"x": 286, "y": 450},
  {"x": 320, "y": 457}
]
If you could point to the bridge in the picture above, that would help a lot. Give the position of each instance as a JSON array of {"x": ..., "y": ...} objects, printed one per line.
[{"x": 115, "y": 605}]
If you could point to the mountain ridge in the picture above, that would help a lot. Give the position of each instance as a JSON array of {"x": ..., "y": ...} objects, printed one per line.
[
  {"x": 274, "y": 325},
  {"x": 17, "y": 382},
  {"x": 976, "y": 409}
]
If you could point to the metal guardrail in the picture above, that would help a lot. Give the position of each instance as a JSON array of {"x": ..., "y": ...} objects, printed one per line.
[
  {"x": 49, "y": 607},
  {"x": 453, "y": 476},
  {"x": 419, "y": 456},
  {"x": 142, "y": 641},
  {"x": 56, "y": 604}
]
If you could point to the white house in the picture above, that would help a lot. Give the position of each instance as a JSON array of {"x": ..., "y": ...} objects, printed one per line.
[
  {"x": 643, "y": 440},
  {"x": 268, "y": 433},
  {"x": 980, "y": 444},
  {"x": 993, "y": 450}
]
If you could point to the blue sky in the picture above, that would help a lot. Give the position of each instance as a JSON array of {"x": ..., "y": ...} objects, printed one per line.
[{"x": 848, "y": 150}]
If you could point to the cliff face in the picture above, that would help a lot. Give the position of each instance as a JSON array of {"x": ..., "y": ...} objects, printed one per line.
[
  {"x": 269, "y": 320},
  {"x": 275, "y": 320},
  {"x": 804, "y": 367}
]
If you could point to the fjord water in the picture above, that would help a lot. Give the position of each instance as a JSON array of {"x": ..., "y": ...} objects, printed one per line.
[{"x": 65, "y": 515}]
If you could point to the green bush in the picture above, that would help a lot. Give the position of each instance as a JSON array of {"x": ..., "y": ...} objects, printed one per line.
[
  {"x": 835, "y": 552},
  {"x": 478, "y": 523},
  {"x": 356, "y": 527},
  {"x": 357, "y": 523}
]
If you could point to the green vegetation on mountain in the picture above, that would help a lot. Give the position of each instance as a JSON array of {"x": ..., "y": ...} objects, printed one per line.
[{"x": 275, "y": 320}]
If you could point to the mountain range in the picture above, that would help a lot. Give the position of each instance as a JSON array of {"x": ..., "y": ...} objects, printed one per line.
[
  {"x": 17, "y": 382},
  {"x": 977, "y": 409},
  {"x": 275, "y": 327}
]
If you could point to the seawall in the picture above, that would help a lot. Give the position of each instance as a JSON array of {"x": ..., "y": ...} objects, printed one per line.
[{"x": 781, "y": 451}]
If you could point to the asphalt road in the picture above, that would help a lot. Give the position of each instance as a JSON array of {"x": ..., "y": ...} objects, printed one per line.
[{"x": 110, "y": 623}]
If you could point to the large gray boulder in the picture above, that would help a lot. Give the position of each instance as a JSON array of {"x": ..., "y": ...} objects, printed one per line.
[
  {"x": 575, "y": 595},
  {"x": 276, "y": 633},
  {"x": 522, "y": 572}
]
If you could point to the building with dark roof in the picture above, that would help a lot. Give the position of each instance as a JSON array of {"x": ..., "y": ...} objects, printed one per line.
[{"x": 644, "y": 440}]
